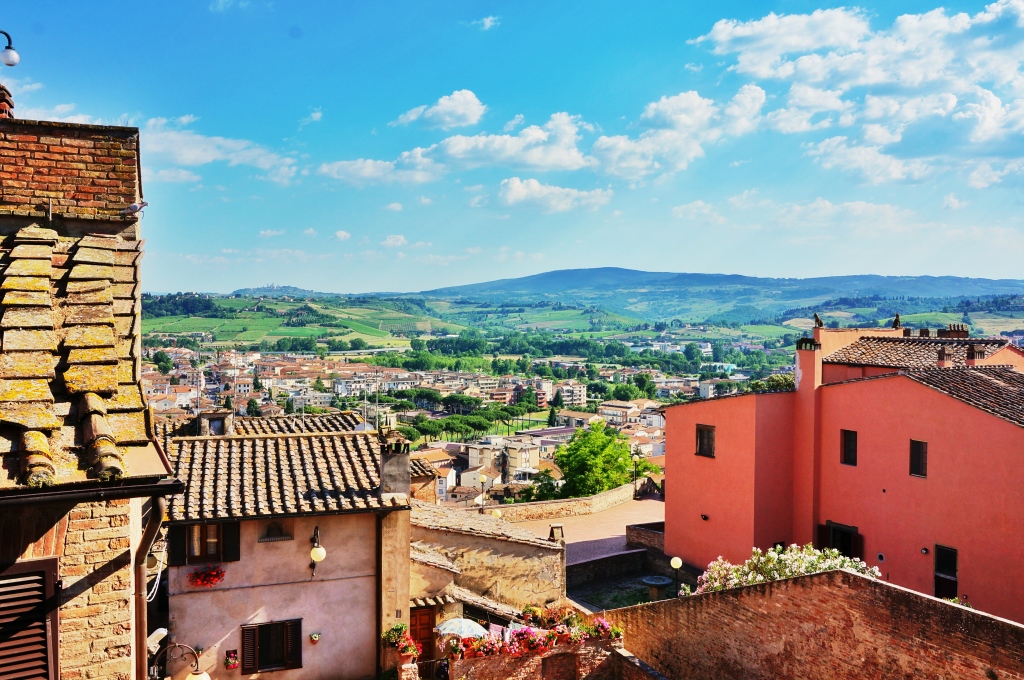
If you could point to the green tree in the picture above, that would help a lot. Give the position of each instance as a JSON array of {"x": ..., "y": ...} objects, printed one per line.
[
  {"x": 596, "y": 460},
  {"x": 646, "y": 385},
  {"x": 163, "y": 362},
  {"x": 693, "y": 353},
  {"x": 318, "y": 385},
  {"x": 544, "y": 488},
  {"x": 256, "y": 384},
  {"x": 227, "y": 401},
  {"x": 175, "y": 380},
  {"x": 528, "y": 399},
  {"x": 558, "y": 401},
  {"x": 410, "y": 433},
  {"x": 289, "y": 407},
  {"x": 626, "y": 392},
  {"x": 252, "y": 408},
  {"x": 552, "y": 417},
  {"x": 417, "y": 345},
  {"x": 357, "y": 344}
]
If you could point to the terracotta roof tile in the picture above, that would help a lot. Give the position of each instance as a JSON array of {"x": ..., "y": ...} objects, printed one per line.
[
  {"x": 29, "y": 340},
  {"x": 91, "y": 272},
  {"x": 93, "y": 256},
  {"x": 425, "y": 554},
  {"x": 27, "y": 389},
  {"x": 419, "y": 467},
  {"x": 27, "y": 365},
  {"x": 25, "y": 298},
  {"x": 29, "y": 268},
  {"x": 32, "y": 252},
  {"x": 102, "y": 379},
  {"x": 999, "y": 390},
  {"x": 439, "y": 518},
  {"x": 341, "y": 422},
  {"x": 89, "y": 336},
  {"x": 275, "y": 475},
  {"x": 83, "y": 315},
  {"x": 909, "y": 352},
  {"x": 27, "y": 317},
  {"x": 96, "y": 297},
  {"x": 33, "y": 283},
  {"x": 96, "y": 355}
]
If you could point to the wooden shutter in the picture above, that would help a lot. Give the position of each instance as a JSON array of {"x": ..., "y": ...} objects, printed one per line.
[
  {"x": 823, "y": 537},
  {"x": 28, "y": 620},
  {"x": 293, "y": 643},
  {"x": 230, "y": 534},
  {"x": 250, "y": 650},
  {"x": 177, "y": 548},
  {"x": 857, "y": 546}
]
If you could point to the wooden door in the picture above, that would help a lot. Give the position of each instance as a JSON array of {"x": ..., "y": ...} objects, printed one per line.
[{"x": 421, "y": 628}]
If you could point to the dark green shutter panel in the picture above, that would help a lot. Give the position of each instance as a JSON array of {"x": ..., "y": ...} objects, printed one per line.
[
  {"x": 176, "y": 545},
  {"x": 250, "y": 651},
  {"x": 231, "y": 535},
  {"x": 823, "y": 539},
  {"x": 293, "y": 643}
]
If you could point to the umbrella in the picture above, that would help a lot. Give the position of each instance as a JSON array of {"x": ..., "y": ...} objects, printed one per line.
[{"x": 462, "y": 627}]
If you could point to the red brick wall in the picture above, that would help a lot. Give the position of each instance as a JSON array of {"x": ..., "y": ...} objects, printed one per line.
[
  {"x": 834, "y": 625},
  {"x": 589, "y": 658},
  {"x": 89, "y": 171}
]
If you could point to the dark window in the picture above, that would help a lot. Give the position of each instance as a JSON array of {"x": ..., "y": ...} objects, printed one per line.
[
  {"x": 706, "y": 440},
  {"x": 28, "y": 620},
  {"x": 848, "y": 447},
  {"x": 204, "y": 543},
  {"x": 846, "y": 539},
  {"x": 918, "y": 458},
  {"x": 945, "y": 572},
  {"x": 272, "y": 646},
  {"x": 216, "y": 426}
]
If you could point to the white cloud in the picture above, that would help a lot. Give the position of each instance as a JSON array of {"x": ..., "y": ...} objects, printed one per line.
[
  {"x": 809, "y": 108},
  {"x": 474, "y": 250},
  {"x": 411, "y": 167},
  {"x": 478, "y": 201},
  {"x": 698, "y": 211},
  {"x": 951, "y": 202},
  {"x": 985, "y": 175},
  {"x": 458, "y": 109},
  {"x": 694, "y": 68},
  {"x": 551, "y": 147},
  {"x": 342, "y": 235},
  {"x": 315, "y": 116},
  {"x": 424, "y": 200},
  {"x": 551, "y": 198},
  {"x": 394, "y": 207},
  {"x": 394, "y": 241},
  {"x": 681, "y": 125},
  {"x": 170, "y": 175},
  {"x": 171, "y": 141},
  {"x": 866, "y": 161},
  {"x": 487, "y": 23},
  {"x": 309, "y": 232},
  {"x": 269, "y": 233},
  {"x": 517, "y": 121}
]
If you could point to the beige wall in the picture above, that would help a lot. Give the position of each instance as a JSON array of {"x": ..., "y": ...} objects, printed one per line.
[
  {"x": 428, "y": 581},
  {"x": 516, "y": 574},
  {"x": 272, "y": 582}
]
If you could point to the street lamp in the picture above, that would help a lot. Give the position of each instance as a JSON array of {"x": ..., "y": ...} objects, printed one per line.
[
  {"x": 483, "y": 480},
  {"x": 9, "y": 56},
  {"x": 318, "y": 553},
  {"x": 169, "y": 653},
  {"x": 676, "y": 564},
  {"x": 636, "y": 462}
]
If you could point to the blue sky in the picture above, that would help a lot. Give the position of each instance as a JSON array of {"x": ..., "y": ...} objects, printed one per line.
[{"x": 357, "y": 147}]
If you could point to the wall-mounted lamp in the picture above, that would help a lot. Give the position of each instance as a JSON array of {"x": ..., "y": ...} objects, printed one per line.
[
  {"x": 174, "y": 652},
  {"x": 924, "y": 551},
  {"x": 676, "y": 563},
  {"x": 318, "y": 553},
  {"x": 704, "y": 517},
  {"x": 9, "y": 56}
]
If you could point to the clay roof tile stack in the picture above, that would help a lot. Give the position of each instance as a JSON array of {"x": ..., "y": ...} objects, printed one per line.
[{"x": 890, "y": 352}]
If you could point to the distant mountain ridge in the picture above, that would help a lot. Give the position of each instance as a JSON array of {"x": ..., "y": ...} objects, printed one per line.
[
  {"x": 274, "y": 290},
  {"x": 698, "y": 297}
]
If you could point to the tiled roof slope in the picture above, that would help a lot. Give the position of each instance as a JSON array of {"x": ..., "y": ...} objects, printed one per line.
[
  {"x": 276, "y": 475},
  {"x": 909, "y": 352},
  {"x": 71, "y": 406},
  {"x": 347, "y": 421},
  {"x": 424, "y": 554},
  {"x": 999, "y": 390},
  {"x": 440, "y": 518},
  {"x": 421, "y": 467}
]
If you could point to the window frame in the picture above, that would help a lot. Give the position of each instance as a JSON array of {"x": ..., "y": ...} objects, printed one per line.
[
  {"x": 49, "y": 567},
  {"x": 291, "y": 643},
  {"x": 700, "y": 450},
  {"x": 204, "y": 557},
  {"x": 921, "y": 470},
  {"x": 844, "y": 448}
]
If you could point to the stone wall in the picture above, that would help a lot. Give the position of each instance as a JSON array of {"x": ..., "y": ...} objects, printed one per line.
[
  {"x": 569, "y": 507},
  {"x": 424, "y": 489},
  {"x": 561, "y": 663},
  {"x": 650, "y": 535},
  {"x": 579, "y": 573},
  {"x": 832, "y": 625},
  {"x": 96, "y": 600},
  {"x": 88, "y": 171}
]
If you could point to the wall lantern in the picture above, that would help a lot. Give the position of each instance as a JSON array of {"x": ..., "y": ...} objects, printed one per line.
[
  {"x": 176, "y": 651},
  {"x": 9, "y": 56},
  {"x": 704, "y": 517},
  {"x": 924, "y": 551},
  {"x": 318, "y": 553}
]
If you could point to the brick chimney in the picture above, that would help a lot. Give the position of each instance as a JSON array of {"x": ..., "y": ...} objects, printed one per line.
[
  {"x": 6, "y": 103},
  {"x": 975, "y": 353},
  {"x": 394, "y": 465},
  {"x": 943, "y": 360},
  {"x": 924, "y": 333}
]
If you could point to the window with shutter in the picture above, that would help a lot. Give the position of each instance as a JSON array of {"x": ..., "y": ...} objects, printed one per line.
[
  {"x": 272, "y": 646},
  {"x": 204, "y": 543},
  {"x": 230, "y": 536},
  {"x": 848, "y": 446},
  {"x": 28, "y": 620},
  {"x": 918, "y": 458},
  {"x": 177, "y": 549},
  {"x": 706, "y": 441}
]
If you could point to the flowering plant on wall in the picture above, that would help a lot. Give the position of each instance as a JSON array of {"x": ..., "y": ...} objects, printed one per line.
[
  {"x": 231, "y": 659},
  {"x": 778, "y": 563},
  {"x": 206, "y": 577}
]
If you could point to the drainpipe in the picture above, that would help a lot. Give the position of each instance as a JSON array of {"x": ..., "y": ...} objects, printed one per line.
[{"x": 157, "y": 506}]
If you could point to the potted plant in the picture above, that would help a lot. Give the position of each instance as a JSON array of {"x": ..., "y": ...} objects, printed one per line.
[
  {"x": 314, "y": 638},
  {"x": 453, "y": 648},
  {"x": 409, "y": 649},
  {"x": 578, "y": 636},
  {"x": 231, "y": 659},
  {"x": 206, "y": 577},
  {"x": 600, "y": 627},
  {"x": 397, "y": 637},
  {"x": 561, "y": 632}
]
